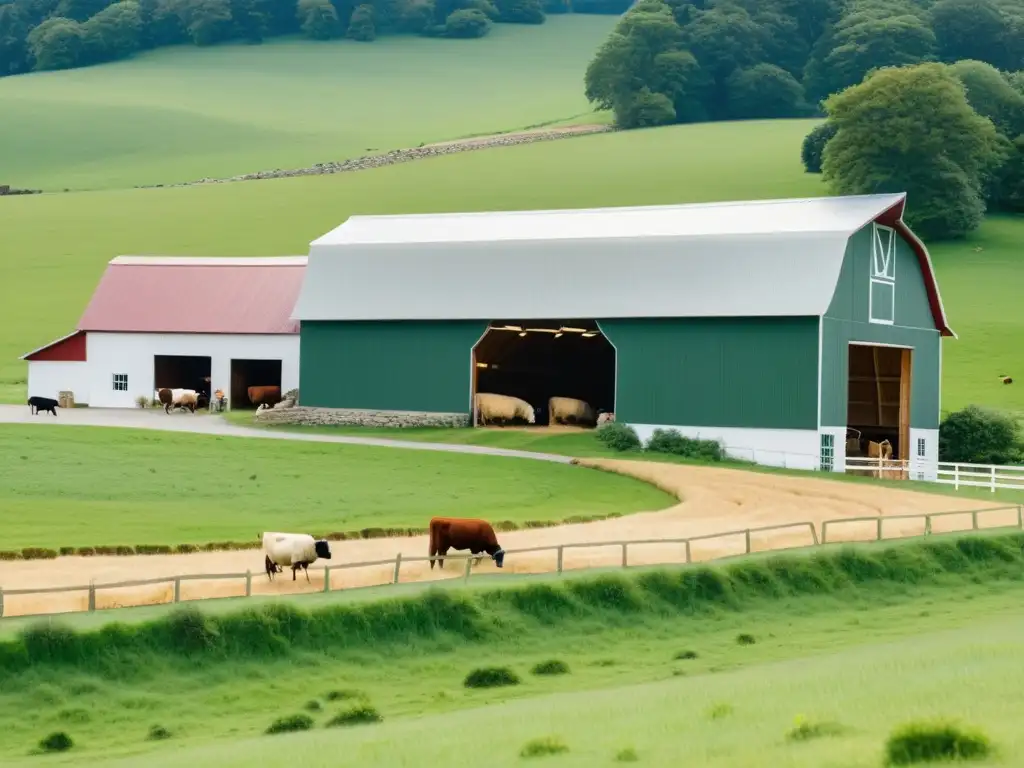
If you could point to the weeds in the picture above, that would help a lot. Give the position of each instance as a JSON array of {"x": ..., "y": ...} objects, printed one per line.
[
  {"x": 358, "y": 715},
  {"x": 719, "y": 711},
  {"x": 627, "y": 755},
  {"x": 552, "y": 667},
  {"x": 491, "y": 677},
  {"x": 547, "y": 745},
  {"x": 686, "y": 656},
  {"x": 926, "y": 742},
  {"x": 56, "y": 742},
  {"x": 158, "y": 733},
  {"x": 290, "y": 724},
  {"x": 808, "y": 730},
  {"x": 745, "y": 639}
]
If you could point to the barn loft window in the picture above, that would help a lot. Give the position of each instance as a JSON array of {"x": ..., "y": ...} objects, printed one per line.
[
  {"x": 828, "y": 452},
  {"x": 120, "y": 382},
  {"x": 882, "y": 296}
]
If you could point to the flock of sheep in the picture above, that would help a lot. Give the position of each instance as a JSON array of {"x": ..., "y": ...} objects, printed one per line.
[{"x": 492, "y": 408}]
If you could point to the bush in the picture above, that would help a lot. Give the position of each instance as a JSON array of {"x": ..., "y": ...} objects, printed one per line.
[
  {"x": 467, "y": 23},
  {"x": 548, "y": 745},
  {"x": 312, "y": 706},
  {"x": 686, "y": 655},
  {"x": 671, "y": 441},
  {"x": 627, "y": 755},
  {"x": 491, "y": 677},
  {"x": 807, "y": 730},
  {"x": 142, "y": 401},
  {"x": 361, "y": 25},
  {"x": 290, "y": 724},
  {"x": 343, "y": 695},
  {"x": 184, "y": 549},
  {"x": 37, "y": 553},
  {"x": 56, "y": 742},
  {"x": 373, "y": 533},
  {"x": 357, "y": 715},
  {"x": 933, "y": 742},
  {"x": 552, "y": 667},
  {"x": 646, "y": 110},
  {"x": 66, "y": 551},
  {"x": 520, "y": 11},
  {"x": 158, "y": 733},
  {"x": 978, "y": 436},
  {"x": 744, "y": 639},
  {"x": 85, "y": 551},
  {"x": 9, "y": 555},
  {"x": 814, "y": 146},
  {"x": 619, "y": 436}
]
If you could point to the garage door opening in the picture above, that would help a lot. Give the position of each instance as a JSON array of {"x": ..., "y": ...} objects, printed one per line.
[
  {"x": 536, "y": 360},
  {"x": 182, "y": 372},
  {"x": 878, "y": 406},
  {"x": 252, "y": 373}
]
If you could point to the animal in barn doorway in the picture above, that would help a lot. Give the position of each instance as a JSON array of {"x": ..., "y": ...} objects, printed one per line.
[
  {"x": 44, "y": 404},
  {"x": 492, "y": 407}
]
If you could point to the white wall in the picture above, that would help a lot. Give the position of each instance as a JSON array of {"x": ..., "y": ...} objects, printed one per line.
[
  {"x": 46, "y": 378},
  {"x": 133, "y": 353},
  {"x": 924, "y": 467},
  {"x": 791, "y": 448},
  {"x": 839, "y": 439}
]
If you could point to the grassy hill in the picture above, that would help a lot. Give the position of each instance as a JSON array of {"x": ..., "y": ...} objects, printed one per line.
[
  {"x": 57, "y": 245},
  {"x": 181, "y": 114}
]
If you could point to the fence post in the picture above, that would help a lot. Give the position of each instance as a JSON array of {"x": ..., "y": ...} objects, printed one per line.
[
  {"x": 398, "y": 566},
  {"x": 687, "y": 551},
  {"x": 993, "y": 479},
  {"x": 177, "y": 590},
  {"x": 248, "y": 583},
  {"x": 469, "y": 567},
  {"x": 327, "y": 579},
  {"x": 824, "y": 532},
  {"x": 747, "y": 538},
  {"x": 814, "y": 533},
  {"x": 1, "y": 602},
  {"x": 956, "y": 477},
  {"x": 974, "y": 519},
  {"x": 879, "y": 524},
  {"x": 92, "y": 595},
  {"x": 624, "y": 545},
  {"x": 927, "y": 525},
  {"x": 561, "y": 549},
  {"x": 1020, "y": 516}
]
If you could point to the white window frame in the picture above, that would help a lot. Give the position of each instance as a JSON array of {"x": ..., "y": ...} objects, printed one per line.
[
  {"x": 883, "y": 270},
  {"x": 827, "y": 452},
  {"x": 921, "y": 448},
  {"x": 119, "y": 382}
]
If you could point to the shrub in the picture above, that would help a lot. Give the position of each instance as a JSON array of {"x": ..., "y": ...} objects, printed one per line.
[
  {"x": 65, "y": 551},
  {"x": 184, "y": 549},
  {"x": 290, "y": 724},
  {"x": 673, "y": 442},
  {"x": 718, "y": 711},
  {"x": 646, "y": 110},
  {"x": 361, "y": 25},
  {"x": 56, "y": 742},
  {"x": 312, "y": 706},
  {"x": 343, "y": 695},
  {"x": 520, "y": 11},
  {"x": 38, "y": 553},
  {"x": 373, "y": 533},
  {"x": 978, "y": 436},
  {"x": 85, "y": 551},
  {"x": 807, "y": 730},
  {"x": 158, "y": 733},
  {"x": 9, "y": 555},
  {"x": 142, "y": 401},
  {"x": 467, "y": 23},
  {"x": 627, "y": 755},
  {"x": 619, "y": 436},
  {"x": 933, "y": 742},
  {"x": 686, "y": 655},
  {"x": 548, "y": 745},
  {"x": 814, "y": 145},
  {"x": 491, "y": 677},
  {"x": 106, "y": 550},
  {"x": 506, "y": 525},
  {"x": 123, "y": 550},
  {"x": 153, "y": 549},
  {"x": 357, "y": 715},
  {"x": 551, "y": 667},
  {"x": 745, "y": 639}
]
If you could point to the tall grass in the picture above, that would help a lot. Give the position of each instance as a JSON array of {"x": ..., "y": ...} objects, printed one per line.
[{"x": 191, "y": 637}]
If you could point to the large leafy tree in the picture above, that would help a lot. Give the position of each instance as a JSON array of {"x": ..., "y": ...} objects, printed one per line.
[
  {"x": 970, "y": 29},
  {"x": 113, "y": 33},
  {"x": 57, "y": 43},
  {"x": 764, "y": 91},
  {"x": 911, "y": 129},
  {"x": 14, "y": 50}
]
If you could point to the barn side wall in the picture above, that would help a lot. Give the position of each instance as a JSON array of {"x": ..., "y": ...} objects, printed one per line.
[
  {"x": 751, "y": 383},
  {"x": 847, "y": 321},
  {"x": 419, "y": 367}
]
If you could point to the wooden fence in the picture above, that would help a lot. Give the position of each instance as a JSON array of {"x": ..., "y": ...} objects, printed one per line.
[{"x": 827, "y": 528}]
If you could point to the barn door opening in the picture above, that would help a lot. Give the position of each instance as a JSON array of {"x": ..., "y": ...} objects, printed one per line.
[
  {"x": 252, "y": 373},
  {"x": 878, "y": 401},
  {"x": 182, "y": 372},
  {"x": 536, "y": 360}
]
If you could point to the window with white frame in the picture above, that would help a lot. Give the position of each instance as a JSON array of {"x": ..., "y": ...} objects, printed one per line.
[
  {"x": 120, "y": 382},
  {"x": 882, "y": 294},
  {"x": 920, "y": 447},
  {"x": 828, "y": 452}
]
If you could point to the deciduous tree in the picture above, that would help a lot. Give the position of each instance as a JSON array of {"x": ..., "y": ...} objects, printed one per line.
[{"x": 764, "y": 91}]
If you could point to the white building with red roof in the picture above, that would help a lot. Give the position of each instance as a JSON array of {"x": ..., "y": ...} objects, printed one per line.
[{"x": 194, "y": 323}]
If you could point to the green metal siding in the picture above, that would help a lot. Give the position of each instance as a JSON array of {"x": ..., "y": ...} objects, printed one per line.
[
  {"x": 847, "y": 321},
  {"x": 717, "y": 372},
  {"x": 393, "y": 366}
]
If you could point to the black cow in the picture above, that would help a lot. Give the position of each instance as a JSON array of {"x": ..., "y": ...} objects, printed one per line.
[{"x": 37, "y": 404}]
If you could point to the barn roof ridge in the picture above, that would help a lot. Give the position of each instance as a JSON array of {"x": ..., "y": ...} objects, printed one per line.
[{"x": 209, "y": 261}]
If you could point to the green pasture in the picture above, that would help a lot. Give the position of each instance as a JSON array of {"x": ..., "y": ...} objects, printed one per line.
[
  {"x": 864, "y": 637},
  {"x": 82, "y": 486},
  {"x": 180, "y": 114}
]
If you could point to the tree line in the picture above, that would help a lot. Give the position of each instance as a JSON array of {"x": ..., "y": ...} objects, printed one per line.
[
  {"x": 62, "y": 34},
  {"x": 678, "y": 61}
]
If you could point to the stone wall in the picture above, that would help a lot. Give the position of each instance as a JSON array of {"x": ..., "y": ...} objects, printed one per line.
[{"x": 360, "y": 418}]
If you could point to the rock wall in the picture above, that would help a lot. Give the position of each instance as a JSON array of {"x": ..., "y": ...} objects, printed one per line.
[{"x": 360, "y": 418}]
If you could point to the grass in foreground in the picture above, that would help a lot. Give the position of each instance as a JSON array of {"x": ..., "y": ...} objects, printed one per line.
[
  {"x": 863, "y": 638},
  {"x": 180, "y": 114},
  {"x": 82, "y": 486}
]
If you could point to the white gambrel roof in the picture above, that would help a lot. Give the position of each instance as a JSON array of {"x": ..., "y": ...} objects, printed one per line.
[{"x": 762, "y": 258}]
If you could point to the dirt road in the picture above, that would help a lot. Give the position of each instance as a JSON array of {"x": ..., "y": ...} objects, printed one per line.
[{"x": 713, "y": 501}]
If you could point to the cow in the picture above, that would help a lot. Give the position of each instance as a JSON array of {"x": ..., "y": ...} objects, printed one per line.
[
  {"x": 460, "y": 533},
  {"x": 44, "y": 404},
  {"x": 268, "y": 396},
  {"x": 177, "y": 398}
]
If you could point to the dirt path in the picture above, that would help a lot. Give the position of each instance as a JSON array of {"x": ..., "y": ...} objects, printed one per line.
[{"x": 715, "y": 500}]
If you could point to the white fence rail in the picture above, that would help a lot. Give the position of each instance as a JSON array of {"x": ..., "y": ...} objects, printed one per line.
[
  {"x": 991, "y": 476},
  {"x": 827, "y": 536}
]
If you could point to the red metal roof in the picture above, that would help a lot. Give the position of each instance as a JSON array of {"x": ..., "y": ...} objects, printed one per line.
[
  {"x": 196, "y": 295},
  {"x": 67, "y": 349}
]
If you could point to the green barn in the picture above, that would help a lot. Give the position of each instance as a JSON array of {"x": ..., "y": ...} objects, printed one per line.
[{"x": 792, "y": 331}]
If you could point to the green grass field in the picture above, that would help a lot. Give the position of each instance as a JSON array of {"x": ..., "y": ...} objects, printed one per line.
[
  {"x": 181, "y": 114},
  {"x": 121, "y": 486},
  {"x": 868, "y": 637},
  {"x": 71, "y": 237}
]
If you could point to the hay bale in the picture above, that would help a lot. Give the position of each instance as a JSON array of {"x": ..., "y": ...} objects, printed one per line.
[{"x": 66, "y": 399}]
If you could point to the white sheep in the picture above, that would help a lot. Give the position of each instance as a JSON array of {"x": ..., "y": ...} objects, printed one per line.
[
  {"x": 562, "y": 409},
  {"x": 298, "y": 550},
  {"x": 605, "y": 418},
  {"x": 490, "y": 407}
]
